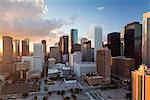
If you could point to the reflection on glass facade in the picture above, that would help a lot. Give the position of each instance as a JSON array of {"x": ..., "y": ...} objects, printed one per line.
[
  {"x": 146, "y": 39},
  {"x": 74, "y": 37}
]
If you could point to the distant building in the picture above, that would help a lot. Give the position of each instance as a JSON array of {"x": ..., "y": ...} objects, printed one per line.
[
  {"x": 86, "y": 50},
  {"x": 103, "y": 64},
  {"x": 54, "y": 53},
  {"x": 76, "y": 47},
  {"x": 74, "y": 38},
  {"x": 30, "y": 60},
  {"x": 121, "y": 67},
  {"x": 140, "y": 84},
  {"x": 25, "y": 47},
  {"x": 114, "y": 43},
  {"x": 98, "y": 40},
  {"x": 76, "y": 57},
  {"x": 38, "y": 57},
  {"x": 133, "y": 42},
  {"x": 146, "y": 39},
  {"x": 7, "y": 49},
  {"x": 83, "y": 68},
  {"x": 17, "y": 48},
  {"x": 44, "y": 49}
]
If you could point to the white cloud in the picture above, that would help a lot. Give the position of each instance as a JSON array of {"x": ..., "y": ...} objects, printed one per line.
[
  {"x": 100, "y": 8},
  {"x": 24, "y": 18}
]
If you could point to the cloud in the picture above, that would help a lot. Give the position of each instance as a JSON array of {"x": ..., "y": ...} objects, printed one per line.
[
  {"x": 24, "y": 18},
  {"x": 100, "y": 8}
]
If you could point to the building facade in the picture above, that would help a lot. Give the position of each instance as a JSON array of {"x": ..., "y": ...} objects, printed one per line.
[
  {"x": 133, "y": 42},
  {"x": 103, "y": 63},
  {"x": 146, "y": 39},
  {"x": 7, "y": 49},
  {"x": 114, "y": 43},
  {"x": 25, "y": 47},
  {"x": 74, "y": 38}
]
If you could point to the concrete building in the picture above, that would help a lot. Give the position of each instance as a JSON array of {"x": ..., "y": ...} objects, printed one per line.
[
  {"x": 83, "y": 68},
  {"x": 25, "y": 47},
  {"x": 121, "y": 67},
  {"x": 133, "y": 42},
  {"x": 103, "y": 64},
  {"x": 30, "y": 60},
  {"x": 38, "y": 57},
  {"x": 73, "y": 38},
  {"x": 113, "y": 40},
  {"x": 140, "y": 84},
  {"x": 76, "y": 57},
  {"x": 17, "y": 48},
  {"x": 146, "y": 39},
  {"x": 7, "y": 49},
  {"x": 98, "y": 40}
]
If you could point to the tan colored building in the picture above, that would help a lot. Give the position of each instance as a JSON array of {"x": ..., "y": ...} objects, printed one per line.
[
  {"x": 23, "y": 68},
  {"x": 7, "y": 49},
  {"x": 140, "y": 84},
  {"x": 94, "y": 80},
  {"x": 25, "y": 47},
  {"x": 122, "y": 67},
  {"x": 17, "y": 48},
  {"x": 103, "y": 62}
]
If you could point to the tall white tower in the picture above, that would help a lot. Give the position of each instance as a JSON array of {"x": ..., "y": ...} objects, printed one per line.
[
  {"x": 98, "y": 39},
  {"x": 146, "y": 39}
]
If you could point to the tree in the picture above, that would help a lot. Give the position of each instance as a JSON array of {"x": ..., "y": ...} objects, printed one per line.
[
  {"x": 62, "y": 92},
  {"x": 71, "y": 90},
  {"x": 58, "y": 92},
  {"x": 77, "y": 90},
  {"x": 44, "y": 98},
  {"x": 49, "y": 93},
  {"x": 35, "y": 97}
]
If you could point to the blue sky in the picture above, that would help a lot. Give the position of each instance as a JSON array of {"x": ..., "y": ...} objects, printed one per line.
[{"x": 112, "y": 14}]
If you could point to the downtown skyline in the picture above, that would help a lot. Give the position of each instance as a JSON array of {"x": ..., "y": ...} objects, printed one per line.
[{"x": 51, "y": 19}]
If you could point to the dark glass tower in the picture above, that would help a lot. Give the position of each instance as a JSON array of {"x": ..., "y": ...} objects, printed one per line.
[
  {"x": 133, "y": 42},
  {"x": 74, "y": 38},
  {"x": 114, "y": 43}
]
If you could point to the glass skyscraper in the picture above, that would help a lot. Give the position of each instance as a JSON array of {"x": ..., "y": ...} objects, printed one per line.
[
  {"x": 146, "y": 39},
  {"x": 74, "y": 38}
]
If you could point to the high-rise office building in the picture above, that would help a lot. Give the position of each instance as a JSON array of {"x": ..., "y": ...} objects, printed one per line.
[
  {"x": 25, "y": 47},
  {"x": 65, "y": 45},
  {"x": 140, "y": 84},
  {"x": 113, "y": 40},
  {"x": 146, "y": 39},
  {"x": 7, "y": 49},
  {"x": 98, "y": 39},
  {"x": 38, "y": 57},
  {"x": 103, "y": 63},
  {"x": 74, "y": 38},
  {"x": 17, "y": 48},
  {"x": 44, "y": 49},
  {"x": 54, "y": 53},
  {"x": 86, "y": 50},
  {"x": 133, "y": 42}
]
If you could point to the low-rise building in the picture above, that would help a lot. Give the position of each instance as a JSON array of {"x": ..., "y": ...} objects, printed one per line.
[{"x": 82, "y": 68}]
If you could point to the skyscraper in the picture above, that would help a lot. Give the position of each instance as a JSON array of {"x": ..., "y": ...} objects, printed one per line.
[
  {"x": 133, "y": 42},
  {"x": 38, "y": 57},
  {"x": 86, "y": 50},
  {"x": 64, "y": 45},
  {"x": 44, "y": 49},
  {"x": 113, "y": 40},
  {"x": 74, "y": 38},
  {"x": 140, "y": 84},
  {"x": 146, "y": 39},
  {"x": 17, "y": 48},
  {"x": 7, "y": 49},
  {"x": 103, "y": 62},
  {"x": 98, "y": 39},
  {"x": 25, "y": 47}
]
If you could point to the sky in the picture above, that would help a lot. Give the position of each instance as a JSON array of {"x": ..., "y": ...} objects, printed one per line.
[{"x": 50, "y": 19}]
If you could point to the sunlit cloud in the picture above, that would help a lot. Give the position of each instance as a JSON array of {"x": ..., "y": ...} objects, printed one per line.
[{"x": 100, "y": 8}]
